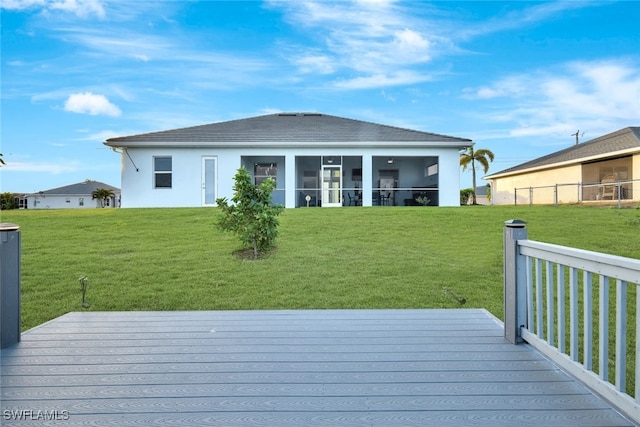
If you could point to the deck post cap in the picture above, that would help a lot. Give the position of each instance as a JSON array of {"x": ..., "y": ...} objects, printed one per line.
[
  {"x": 7, "y": 226},
  {"x": 515, "y": 223}
]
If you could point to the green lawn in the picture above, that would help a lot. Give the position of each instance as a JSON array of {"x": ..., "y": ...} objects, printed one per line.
[
  {"x": 405, "y": 257},
  {"x": 378, "y": 257}
]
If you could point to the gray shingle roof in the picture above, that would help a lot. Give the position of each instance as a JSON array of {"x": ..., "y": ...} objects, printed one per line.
[
  {"x": 602, "y": 147},
  {"x": 284, "y": 128},
  {"x": 81, "y": 188}
]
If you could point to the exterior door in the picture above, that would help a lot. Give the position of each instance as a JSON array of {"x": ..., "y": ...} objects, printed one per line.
[
  {"x": 209, "y": 174},
  {"x": 331, "y": 186}
]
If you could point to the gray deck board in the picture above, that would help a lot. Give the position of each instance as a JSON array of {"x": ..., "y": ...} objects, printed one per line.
[{"x": 307, "y": 367}]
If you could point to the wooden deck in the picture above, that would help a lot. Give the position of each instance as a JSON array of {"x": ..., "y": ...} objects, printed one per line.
[{"x": 311, "y": 367}]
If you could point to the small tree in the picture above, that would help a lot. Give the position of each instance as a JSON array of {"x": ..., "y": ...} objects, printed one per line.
[
  {"x": 252, "y": 216},
  {"x": 8, "y": 201},
  {"x": 103, "y": 195}
]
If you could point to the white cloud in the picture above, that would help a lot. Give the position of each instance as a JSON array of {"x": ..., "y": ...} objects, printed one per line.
[
  {"x": 379, "y": 40},
  {"x": 22, "y": 4},
  {"x": 388, "y": 97},
  {"x": 315, "y": 63},
  {"x": 382, "y": 80},
  {"x": 511, "y": 86},
  {"x": 80, "y": 8},
  {"x": 525, "y": 17},
  {"x": 597, "y": 96},
  {"x": 141, "y": 57},
  {"x": 411, "y": 45},
  {"x": 89, "y": 103}
]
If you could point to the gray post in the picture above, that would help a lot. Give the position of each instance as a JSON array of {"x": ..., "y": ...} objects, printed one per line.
[
  {"x": 580, "y": 191},
  {"x": 515, "y": 303},
  {"x": 9, "y": 285}
]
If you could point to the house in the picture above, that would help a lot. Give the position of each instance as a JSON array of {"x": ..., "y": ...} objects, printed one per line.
[
  {"x": 482, "y": 196},
  {"x": 13, "y": 201},
  {"x": 74, "y": 196},
  {"x": 603, "y": 169},
  {"x": 316, "y": 160}
]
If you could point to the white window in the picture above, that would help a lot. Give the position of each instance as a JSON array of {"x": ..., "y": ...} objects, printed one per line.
[{"x": 162, "y": 172}]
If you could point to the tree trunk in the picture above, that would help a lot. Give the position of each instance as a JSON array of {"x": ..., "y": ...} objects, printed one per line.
[{"x": 473, "y": 171}]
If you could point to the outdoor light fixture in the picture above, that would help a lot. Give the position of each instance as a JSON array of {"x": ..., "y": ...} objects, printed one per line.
[{"x": 390, "y": 160}]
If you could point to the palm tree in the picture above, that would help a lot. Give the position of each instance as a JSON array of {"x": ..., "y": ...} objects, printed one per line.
[
  {"x": 2, "y": 160},
  {"x": 470, "y": 157},
  {"x": 102, "y": 194}
]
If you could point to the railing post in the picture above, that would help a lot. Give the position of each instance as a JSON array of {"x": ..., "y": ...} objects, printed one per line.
[
  {"x": 580, "y": 192},
  {"x": 9, "y": 284},
  {"x": 515, "y": 301}
]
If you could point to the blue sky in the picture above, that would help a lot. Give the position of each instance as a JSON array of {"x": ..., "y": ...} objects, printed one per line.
[{"x": 518, "y": 78}]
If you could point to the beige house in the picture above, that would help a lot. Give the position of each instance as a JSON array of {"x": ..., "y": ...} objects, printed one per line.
[{"x": 603, "y": 169}]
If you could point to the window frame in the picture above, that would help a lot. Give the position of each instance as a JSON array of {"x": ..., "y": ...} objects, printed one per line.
[{"x": 160, "y": 172}]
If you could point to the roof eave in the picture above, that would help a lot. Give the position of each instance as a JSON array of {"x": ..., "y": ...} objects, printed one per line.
[
  {"x": 296, "y": 144},
  {"x": 565, "y": 163}
]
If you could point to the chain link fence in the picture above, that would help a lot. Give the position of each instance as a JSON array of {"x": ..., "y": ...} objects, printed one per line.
[{"x": 620, "y": 192}]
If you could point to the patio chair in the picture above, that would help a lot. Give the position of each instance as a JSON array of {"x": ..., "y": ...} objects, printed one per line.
[
  {"x": 385, "y": 198},
  {"x": 609, "y": 188},
  {"x": 354, "y": 201}
]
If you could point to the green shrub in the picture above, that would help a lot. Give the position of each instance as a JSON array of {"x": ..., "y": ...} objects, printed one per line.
[
  {"x": 465, "y": 195},
  {"x": 8, "y": 201}
]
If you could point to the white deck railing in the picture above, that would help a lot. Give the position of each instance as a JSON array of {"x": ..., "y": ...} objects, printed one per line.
[{"x": 577, "y": 307}]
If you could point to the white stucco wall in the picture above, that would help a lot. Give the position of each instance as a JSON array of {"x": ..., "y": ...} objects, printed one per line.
[
  {"x": 61, "y": 202},
  {"x": 137, "y": 186}
]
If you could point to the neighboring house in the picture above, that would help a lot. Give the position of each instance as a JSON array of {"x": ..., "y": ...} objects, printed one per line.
[
  {"x": 481, "y": 195},
  {"x": 75, "y": 196},
  {"x": 316, "y": 160},
  {"x": 20, "y": 200},
  {"x": 603, "y": 169}
]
